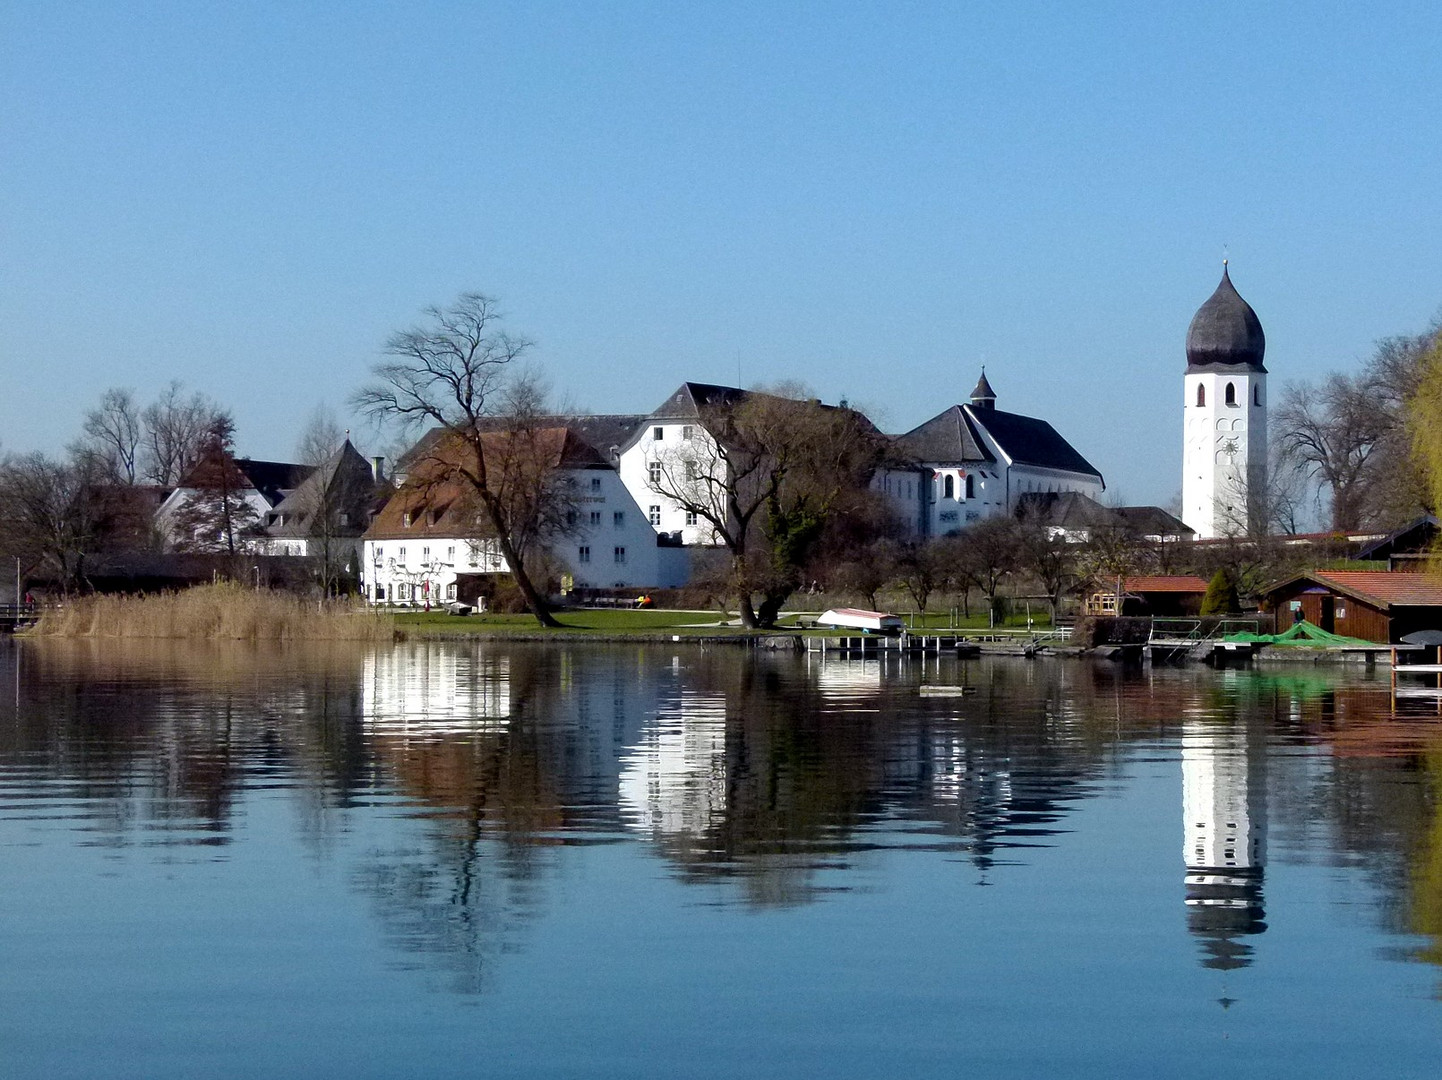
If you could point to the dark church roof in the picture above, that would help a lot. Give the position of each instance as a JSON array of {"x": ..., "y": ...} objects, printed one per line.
[
  {"x": 1225, "y": 332},
  {"x": 983, "y": 390},
  {"x": 1029, "y": 441},
  {"x": 947, "y": 437}
]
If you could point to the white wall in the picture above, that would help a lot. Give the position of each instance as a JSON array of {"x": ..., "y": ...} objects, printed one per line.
[
  {"x": 611, "y": 546},
  {"x": 680, "y": 439},
  {"x": 1224, "y": 450}
]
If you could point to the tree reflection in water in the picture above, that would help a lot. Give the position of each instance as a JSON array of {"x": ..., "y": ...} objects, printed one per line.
[{"x": 769, "y": 777}]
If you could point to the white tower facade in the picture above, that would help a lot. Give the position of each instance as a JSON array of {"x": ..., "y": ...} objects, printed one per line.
[{"x": 1224, "y": 408}]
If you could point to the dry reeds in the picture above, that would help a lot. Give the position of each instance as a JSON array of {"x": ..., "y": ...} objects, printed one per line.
[{"x": 223, "y": 612}]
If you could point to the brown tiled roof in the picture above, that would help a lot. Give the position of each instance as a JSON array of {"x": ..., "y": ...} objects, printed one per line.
[
  {"x": 1165, "y": 583},
  {"x": 438, "y": 504},
  {"x": 1385, "y": 588}
]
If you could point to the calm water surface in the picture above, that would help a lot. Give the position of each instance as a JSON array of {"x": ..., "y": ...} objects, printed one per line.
[{"x": 501, "y": 860}]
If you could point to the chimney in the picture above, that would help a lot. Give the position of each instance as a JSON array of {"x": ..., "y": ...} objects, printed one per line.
[{"x": 378, "y": 469}]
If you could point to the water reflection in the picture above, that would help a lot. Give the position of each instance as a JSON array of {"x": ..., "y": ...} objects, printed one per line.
[
  {"x": 1224, "y": 812},
  {"x": 453, "y": 778}
]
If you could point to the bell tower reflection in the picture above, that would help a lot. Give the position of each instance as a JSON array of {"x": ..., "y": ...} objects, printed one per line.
[{"x": 1224, "y": 804}]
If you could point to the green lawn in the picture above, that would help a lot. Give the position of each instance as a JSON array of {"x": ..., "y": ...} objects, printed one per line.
[{"x": 628, "y": 621}]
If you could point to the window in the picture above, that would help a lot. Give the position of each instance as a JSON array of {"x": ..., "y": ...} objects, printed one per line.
[
  {"x": 379, "y": 554},
  {"x": 451, "y": 591},
  {"x": 1257, "y": 395},
  {"x": 657, "y": 434},
  {"x": 655, "y": 514},
  {"x": 687, "y": 431},
  {"x": 572, "y": 517},
  {"x": 595, "y": 483},
  {"x": 946, "y": 515},
  {"x": 402, "y": 554},
  {"x": 1201, "y": 395},
  {"x": 654, "y": 469},
  {"x": 618, "y": 519},
  {"x": 690, "y": 517},
  {"x": 380, "y": 592},
  {"x": 406, "y": 519},
  {"x": 620, "y": 556},
  {"x": 403, "y": 592},
  {"x": 971, "y": 487},
  {"x": 690, "y": 470},
  {"x": 583, "y": 553},
  {"x": 451, "y": 554},
  {"x": 425, "y": 554},
  {"x": 948, "y": 487},
  {"x": 1231, "y": 393},
  {"x": 596, "y": 517}
]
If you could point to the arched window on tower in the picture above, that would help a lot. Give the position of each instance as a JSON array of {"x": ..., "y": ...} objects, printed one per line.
[
  {"x": 1257, "y": 394},
  {"x": 1231, "y": 393},
  {"x": 948, "y": 487},
  {"x": 970, "y": 487},
  {"x": 1201, "y": 395}
]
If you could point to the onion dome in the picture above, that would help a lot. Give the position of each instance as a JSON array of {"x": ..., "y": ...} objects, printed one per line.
[
  {"x": 1225, "y": 332},
  {"x": 983, "y": 397}
]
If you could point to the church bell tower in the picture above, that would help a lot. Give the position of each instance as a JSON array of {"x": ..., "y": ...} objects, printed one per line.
[{"x": 1224, "y": 455}]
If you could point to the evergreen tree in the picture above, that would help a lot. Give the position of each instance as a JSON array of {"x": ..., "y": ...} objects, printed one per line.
[{"x": 1221, "y": 596}]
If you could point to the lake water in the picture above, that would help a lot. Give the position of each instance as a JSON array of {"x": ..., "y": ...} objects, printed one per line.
[{"x": 469, "y": 859}]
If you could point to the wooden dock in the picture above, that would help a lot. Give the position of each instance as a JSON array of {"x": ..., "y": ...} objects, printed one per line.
[{"x": 17, "y": 616}]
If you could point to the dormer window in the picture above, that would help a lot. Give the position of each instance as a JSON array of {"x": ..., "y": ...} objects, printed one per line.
[{"x": 406, "y": 520}]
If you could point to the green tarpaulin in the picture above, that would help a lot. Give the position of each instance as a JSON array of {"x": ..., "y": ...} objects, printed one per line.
[{"x": 1304, "y": 635}]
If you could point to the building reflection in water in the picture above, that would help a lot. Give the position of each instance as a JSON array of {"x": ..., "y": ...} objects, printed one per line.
[
  {"x": 674, "y": 781},
  {"x": 1224, "y": 807},
  {"x": 417, "y": 690}
]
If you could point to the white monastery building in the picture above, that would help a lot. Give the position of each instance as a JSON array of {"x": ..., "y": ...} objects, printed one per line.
[{"x": 1224, "y": 456}]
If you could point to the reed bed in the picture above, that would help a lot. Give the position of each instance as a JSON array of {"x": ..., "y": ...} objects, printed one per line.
[{"x": 222, "y": 612}]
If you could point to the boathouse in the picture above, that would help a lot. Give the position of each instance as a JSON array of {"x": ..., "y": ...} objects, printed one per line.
[{"x": 1375, "y": 605}]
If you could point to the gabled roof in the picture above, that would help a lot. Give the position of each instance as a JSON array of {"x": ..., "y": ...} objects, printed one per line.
[
  {"x": 945, "y": 438},
  {"x": 344, "y": 481},
  {"x": 438, "y": 504},
  {"x": 1029, "y": 441},
  {"x": 1415, "y": 537},
  {"x": 1382, "y": 589},
  {"x": 1152, "y": 521},
  {"x": 691, "y": 397},
  {"x": 1065, "y": 509},
  {"x": 605, "y": 432}
]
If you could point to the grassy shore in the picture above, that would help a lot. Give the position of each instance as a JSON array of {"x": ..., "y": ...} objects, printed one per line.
[
  {"x": 625, "y": 621},
  {"x": 223, "y": 612}
]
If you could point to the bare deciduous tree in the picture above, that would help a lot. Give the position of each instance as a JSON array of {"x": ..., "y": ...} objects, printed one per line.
[
  {"x": 176, "y": 428},
  {"x": 113, "y": 431},
  {"x": 458, "y": 370},
  {"x": 48, "y": 514},
  {"x": 768, "y": 476}
]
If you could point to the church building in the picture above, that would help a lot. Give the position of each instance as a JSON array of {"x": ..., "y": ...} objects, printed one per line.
[
  {"x": 1224, "y": 456},
  {"x": 975, "y": 461}
]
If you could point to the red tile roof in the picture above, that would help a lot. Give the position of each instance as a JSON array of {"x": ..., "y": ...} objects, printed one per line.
[
  {"x": 1383, "y": 588},
  {"x": 1165, "y": 583}
]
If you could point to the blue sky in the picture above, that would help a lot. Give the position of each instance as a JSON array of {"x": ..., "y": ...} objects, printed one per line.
[{"x": 875, "y": 199}]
